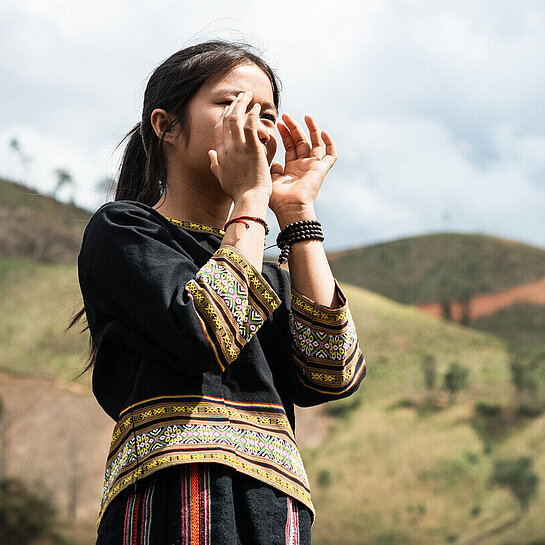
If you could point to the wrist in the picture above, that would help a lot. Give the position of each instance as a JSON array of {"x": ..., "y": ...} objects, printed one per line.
[
  {"x": 251, "y": 204},
  {"x": 252, "y": 197},
  {"x": 293, "y": 213}
]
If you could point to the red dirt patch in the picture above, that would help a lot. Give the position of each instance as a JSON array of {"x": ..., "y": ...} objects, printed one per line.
[{"x": 486, "y": 304}]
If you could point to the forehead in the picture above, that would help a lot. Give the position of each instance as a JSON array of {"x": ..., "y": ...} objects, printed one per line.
[{"x": 245, "y": 77}]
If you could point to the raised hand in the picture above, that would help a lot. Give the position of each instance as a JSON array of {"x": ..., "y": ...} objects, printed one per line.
[
  {"x": 295, "y": 185},
  {"x": 239, "y": 161}
]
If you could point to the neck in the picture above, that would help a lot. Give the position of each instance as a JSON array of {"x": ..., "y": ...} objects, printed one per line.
[{"x": 205, "y": 203}]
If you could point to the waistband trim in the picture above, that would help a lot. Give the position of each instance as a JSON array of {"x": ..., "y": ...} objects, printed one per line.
[{"x": 253, "y": 438}]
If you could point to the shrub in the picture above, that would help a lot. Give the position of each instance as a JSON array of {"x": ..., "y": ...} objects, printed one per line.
[
  {"x": 516, "y": 474},
  {"x": 486, "y": 409},
  {"x": 324, "y": 477},
  {"x": 429, "y": 367},
  {"x": 24, "y": 515},
  {"x": 456, "y": 379}
]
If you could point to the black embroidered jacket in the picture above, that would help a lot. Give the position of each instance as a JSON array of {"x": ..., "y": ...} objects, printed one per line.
[{"x": 201, "y": 357}]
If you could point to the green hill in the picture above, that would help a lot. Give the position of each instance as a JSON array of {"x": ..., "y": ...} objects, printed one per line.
[
  {"x": 391, "y": 474},
  {"x": 38, "y": 226},
  {"x": 36, "y": 300},
  {"x": 522, "y": 325},
  {"x": 395, "y": 470},
  {"x": 385, "y": 474},
  {"x": 443, "y": 266}
]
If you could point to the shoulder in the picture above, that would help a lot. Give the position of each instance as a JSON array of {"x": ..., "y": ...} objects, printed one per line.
[
  {"x": 128, "y": 216},
  {"x": 129, "y": 226},
  {"x": 125, "y": 210}
]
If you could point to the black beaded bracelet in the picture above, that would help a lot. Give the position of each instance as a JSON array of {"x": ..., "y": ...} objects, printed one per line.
[{"x": 296, "y": 232}]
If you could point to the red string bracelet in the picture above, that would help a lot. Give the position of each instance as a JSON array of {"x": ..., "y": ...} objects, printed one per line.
[{"x": 240, "y": 219}]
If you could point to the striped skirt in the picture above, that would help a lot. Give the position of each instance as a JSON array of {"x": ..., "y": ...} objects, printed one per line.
[{"x": 201, "y": 504}]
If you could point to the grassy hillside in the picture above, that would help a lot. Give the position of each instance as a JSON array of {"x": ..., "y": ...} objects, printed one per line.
[
  {"x": 36, "y": 301},
  {"x": 521, "y": 325},
  {"x": 38, "y": 226},
  {"x": 393, "y": 475},
  {"x": 14, "y": 195},
  {"x": 436, "y": 267},
  {"x": 388, "y": 474}
]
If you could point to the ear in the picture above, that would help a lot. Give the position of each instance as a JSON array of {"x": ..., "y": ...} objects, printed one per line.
[{"x": 160, "y": 121}]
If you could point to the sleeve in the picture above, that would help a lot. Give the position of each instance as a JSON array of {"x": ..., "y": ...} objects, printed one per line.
[
  {"x": 329, "y": 363},
  {"x": 132, "y": 272}
]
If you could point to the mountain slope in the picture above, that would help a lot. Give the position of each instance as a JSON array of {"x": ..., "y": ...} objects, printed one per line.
[
  {"x": 38, "y": 226},
  {"x": 438, "y": 267}
]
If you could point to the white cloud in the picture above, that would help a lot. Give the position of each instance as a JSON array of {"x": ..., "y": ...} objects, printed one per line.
[{"x": 437, "y": 108}]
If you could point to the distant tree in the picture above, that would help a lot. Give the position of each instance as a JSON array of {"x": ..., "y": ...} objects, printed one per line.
[
  {"x": 528, "y": 377},
  {"x": 25, "y": 159},
  {"x": 465, "y": 305},
  {"x": 64, "y": 178},
  {"x": 14, "y": 145},
  {"x": 429, "y": 368},
  {"x": 446, "y": 310},
  {"x": 517, "y": 475},
  {"x": 455, "y": 379}
]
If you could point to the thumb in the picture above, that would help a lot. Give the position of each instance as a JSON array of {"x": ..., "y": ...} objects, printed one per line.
[
  {"x": 277, "y": 169},
  {"x": 214, "y": 166}
]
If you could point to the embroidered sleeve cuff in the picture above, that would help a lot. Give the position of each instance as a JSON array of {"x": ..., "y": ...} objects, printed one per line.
[
  {"x": 313, "y": 311},
  {"x": 325, "y": 345},
  {"x": 232, "y": 300}
]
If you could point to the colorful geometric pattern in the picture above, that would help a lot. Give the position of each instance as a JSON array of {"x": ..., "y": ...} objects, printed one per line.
[
  {"x": 321, "y": 344},
  {"x": 235, "y": 297},
  {"x": 325, "y": 344},
  {"x": 195, "y": 504},
  {"x": 292, "y": 523},
  {"x": 137, "y": 522},
  {"x": 232, "y": 300},
  {"x": 254, "y": 438}
]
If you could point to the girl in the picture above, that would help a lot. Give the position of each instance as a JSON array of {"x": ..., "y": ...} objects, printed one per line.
[{"x": 200, "y": 349}]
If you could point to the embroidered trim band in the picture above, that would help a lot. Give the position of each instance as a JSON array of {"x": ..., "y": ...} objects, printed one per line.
[
  {"x": 325, "y": 344},
  {"x": 254, "y": 438},
  {"x": 233, "y": 300},
  {"x": 199, "y": 227}
]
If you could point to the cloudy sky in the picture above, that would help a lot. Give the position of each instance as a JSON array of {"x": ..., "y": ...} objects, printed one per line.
[{"x": 437, "y": 108}]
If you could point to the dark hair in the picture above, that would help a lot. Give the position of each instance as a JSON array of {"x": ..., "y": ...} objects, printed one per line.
[{"x": 142, "y": 173}]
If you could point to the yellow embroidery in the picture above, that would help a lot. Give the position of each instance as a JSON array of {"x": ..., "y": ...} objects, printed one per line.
[{"x": 192, "y": 226}]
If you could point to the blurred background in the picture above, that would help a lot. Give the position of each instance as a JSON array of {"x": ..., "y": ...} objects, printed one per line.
[{"x": 434, "y": 224}]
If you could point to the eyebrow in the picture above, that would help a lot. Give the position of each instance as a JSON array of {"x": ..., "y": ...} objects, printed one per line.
[{"x": 235, "y": 92}]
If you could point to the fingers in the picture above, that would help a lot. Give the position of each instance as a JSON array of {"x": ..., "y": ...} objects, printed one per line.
[
  {"x": 287, "y": 141},
  {"x": 241, "y": 126},
  {"x": 251, "y": 126},
  {"x": 297, "y": 135},
  {"x": 323, "y": 146},
  {"x": 318, "y": 146},
  {"x": 330, "y": 150}
]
